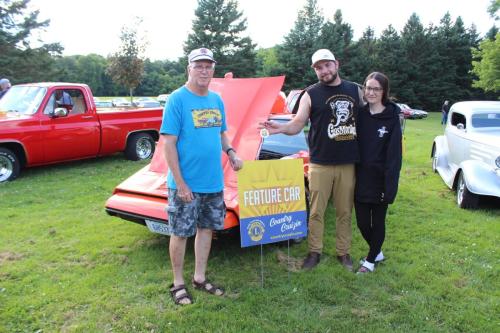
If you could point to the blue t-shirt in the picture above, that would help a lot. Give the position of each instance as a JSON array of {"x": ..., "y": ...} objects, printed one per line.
[{"x": 197, "y": 122}]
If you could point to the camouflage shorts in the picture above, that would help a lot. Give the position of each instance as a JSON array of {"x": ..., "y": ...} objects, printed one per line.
[{"x": 205, "y": 211}]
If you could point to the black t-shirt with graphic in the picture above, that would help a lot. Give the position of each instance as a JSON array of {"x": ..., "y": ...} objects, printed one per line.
[{"x": 332, "y": 135}]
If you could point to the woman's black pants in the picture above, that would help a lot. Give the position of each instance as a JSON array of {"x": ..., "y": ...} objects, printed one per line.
[{"x": 371, "y": 222}]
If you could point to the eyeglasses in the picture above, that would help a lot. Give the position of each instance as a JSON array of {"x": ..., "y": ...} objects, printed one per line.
[
  {"x": 201, "y": 68},
  {"x": 375, "y": 90}
]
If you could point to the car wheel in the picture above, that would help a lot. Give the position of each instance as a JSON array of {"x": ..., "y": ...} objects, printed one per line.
[
  {"x": 465, "y": 198},
  {"x": 9, "y": 165},
  {"x": 434, "y": 159},
  {"x": 140, "y": 146}
]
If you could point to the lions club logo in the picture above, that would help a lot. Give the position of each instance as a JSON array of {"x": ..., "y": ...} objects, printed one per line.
[{"x": 256, "y": 230}]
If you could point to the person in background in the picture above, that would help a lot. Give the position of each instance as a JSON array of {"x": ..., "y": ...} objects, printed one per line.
[
  {"x": 377, "y": 173},
  {"x": 194, "y": 129},
  {"x": 445, "y": 109},
  {"x": 4, "y": 86},
  {"x": 63, "y": 99},
  {"x": 331, "y": 105}
]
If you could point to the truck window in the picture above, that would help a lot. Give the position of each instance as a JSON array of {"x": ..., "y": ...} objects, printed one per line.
[{"x": 71, "y": 99}]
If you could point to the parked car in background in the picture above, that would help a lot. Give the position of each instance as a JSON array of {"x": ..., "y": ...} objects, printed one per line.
[
  {"x": 419, "y": 114},
  {"x": 162, "y": 98},
  {"x": 146, "y": 102},
  {"x": 467, "y": 156},
  {"x": 407, "y": 112},
  {"x": 142, "y": 197},
  {"x": 121, "y": 102},
  {"x": 102, "y": 104},
  {"x": 37, "y": 127}
]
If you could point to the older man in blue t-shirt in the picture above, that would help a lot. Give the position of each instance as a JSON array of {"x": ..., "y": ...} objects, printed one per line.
[{"x": 194, "y": 128}]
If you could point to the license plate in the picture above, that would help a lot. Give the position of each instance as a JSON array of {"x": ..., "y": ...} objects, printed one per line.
[{"x": 159, "y": 228}]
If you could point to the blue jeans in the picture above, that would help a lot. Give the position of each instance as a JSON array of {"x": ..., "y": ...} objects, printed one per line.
[{"x": 444, "y": 118}]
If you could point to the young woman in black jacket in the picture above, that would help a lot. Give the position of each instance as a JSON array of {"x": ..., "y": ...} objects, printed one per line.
[{"x": 377, "y": 174}]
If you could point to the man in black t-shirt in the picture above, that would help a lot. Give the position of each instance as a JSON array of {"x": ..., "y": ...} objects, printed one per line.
[{"x": 331, "y": 105}]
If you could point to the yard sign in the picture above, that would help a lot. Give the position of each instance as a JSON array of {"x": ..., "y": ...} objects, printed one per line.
[{"x": 272, "y": 201}]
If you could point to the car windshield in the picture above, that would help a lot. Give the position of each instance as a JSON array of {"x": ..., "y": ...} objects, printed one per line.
[
  {"x": 22, "y": 99},
  {"x": 291, "y": 102},
  {"x": 283, "y": 145},
  {"x": 486, "y": 119}
]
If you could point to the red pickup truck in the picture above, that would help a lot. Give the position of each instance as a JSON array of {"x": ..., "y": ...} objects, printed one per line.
[{"x": 45, "y": 123}]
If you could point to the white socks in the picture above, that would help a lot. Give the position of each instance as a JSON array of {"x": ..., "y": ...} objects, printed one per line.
[
  {"x": 379, "y": 257},
  {"x": 370, "y": 266}
]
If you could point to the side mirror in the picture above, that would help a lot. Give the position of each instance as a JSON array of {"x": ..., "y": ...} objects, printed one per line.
[{"x": 58, "y": 112}]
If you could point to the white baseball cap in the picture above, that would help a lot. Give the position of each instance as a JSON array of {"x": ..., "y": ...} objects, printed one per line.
[
  {"x": 322, "y": 54},
  {"x": 201, "y": 54}
]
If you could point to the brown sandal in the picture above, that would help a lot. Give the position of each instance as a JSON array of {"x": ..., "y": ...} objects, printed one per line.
[
  {"x": 208, "y": 287},
  {"x": 177, "y": 298}
]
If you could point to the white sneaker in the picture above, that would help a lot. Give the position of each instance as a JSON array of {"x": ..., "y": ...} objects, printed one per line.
[{"x": 379, "y": 258}]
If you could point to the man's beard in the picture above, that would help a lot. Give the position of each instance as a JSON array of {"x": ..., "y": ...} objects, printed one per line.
[{"x": 334, "y": 77}]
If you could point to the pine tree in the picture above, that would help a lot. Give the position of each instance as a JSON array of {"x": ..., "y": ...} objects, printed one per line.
[
  {"x": 218, "y": 26},
  {"x": 337, "y": 37},
  {"x": 299, "y": 45},
  {"x": 390, "y": 60},
  {"x": 363, "y": 60},
  {"x": 466, "y": 40},
  {"x": 422, "y": 63},
  {"x": 19, "y": 61},
  {"x": 491, "y": 33}
]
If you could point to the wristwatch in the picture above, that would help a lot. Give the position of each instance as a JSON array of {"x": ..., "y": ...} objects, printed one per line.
[{"x": 229, "y": 149}]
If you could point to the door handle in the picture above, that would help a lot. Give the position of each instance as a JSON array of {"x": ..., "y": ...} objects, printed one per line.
[{"x": 87, "y": 117}]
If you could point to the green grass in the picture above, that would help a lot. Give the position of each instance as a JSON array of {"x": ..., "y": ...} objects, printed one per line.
[{"x": 65, "y": 266}]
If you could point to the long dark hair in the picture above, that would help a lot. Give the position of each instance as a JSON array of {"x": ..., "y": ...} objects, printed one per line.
[{"x": 384, "y": 82}]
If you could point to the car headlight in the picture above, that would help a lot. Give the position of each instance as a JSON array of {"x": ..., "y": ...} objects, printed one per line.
[{"x": 497, "y": 162}]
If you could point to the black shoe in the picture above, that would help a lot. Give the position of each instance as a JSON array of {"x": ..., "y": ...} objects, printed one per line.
[
  {"x": 346, "y": 261},
  {"x": 311, "y": 260}
]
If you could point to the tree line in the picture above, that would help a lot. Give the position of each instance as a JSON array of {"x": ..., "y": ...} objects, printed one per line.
[{"x": 426, "y": 64}]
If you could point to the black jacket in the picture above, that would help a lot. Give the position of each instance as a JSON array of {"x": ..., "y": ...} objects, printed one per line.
[{"x": 380, "y": 147}]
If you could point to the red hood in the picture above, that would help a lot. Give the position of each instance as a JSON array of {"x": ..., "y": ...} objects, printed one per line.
[{"x": 247, "y": 102}]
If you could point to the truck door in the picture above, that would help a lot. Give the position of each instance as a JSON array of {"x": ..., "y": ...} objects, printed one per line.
[{"x": 71, "y": 136}]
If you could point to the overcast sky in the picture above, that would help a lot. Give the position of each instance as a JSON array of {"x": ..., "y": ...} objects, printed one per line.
[{"x": 93, "y": 26}]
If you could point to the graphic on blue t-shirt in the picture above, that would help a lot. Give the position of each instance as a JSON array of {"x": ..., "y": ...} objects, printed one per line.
[{"x": 207, "y": 118}]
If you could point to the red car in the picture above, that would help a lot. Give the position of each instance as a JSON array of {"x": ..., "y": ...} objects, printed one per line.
[{"x": 142, "y": 198}]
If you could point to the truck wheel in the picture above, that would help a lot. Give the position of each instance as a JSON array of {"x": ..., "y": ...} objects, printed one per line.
[
  {"x": 9, "y": 165},
  {"x": 140, "y": 146},
  {"x": 465, "y": 198}
]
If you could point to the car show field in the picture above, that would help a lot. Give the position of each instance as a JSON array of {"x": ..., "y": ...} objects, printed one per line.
[{"x": 66, "y": 266}]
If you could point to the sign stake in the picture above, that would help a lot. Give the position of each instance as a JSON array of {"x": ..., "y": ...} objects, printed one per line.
[
  {"x": 288, "y": 259},
  {"x": 261, "y": 266}
]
